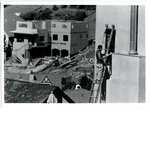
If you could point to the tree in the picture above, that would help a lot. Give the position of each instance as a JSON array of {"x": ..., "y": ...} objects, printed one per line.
[
  {"x": 71, "y": 15},
  {"x": 63, "y": 6},
  {"x": 81, "y": 6},
  {"x": 28, "y": 16},
  {"x": 55, "y": 8},
  {"x": 80, "y": 15},
  {"x": 91, "y": 7},
  {"x": 43, "y": 14},
  {"x": 73, "y": 6},
  {"x": 39, "y": 15}
]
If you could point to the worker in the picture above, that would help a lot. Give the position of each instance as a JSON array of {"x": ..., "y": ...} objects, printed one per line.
[
  {"x": 106, "y": 37},
  {"x": 100, "y": 66}
]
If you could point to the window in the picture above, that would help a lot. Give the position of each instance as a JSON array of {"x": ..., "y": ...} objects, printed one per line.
[
  {"x": 55, "y": 37},
  {"x": 23, "y": 25},
  {"x": 80, "y": 35},
  {"x": 72, "y": 26},
  {"x": 87, "y": 35},
  {"x": 87, "y": 26},
  {"x": 53, "y": 25},
  {"x": 64, "y": 26},
  {"x": 41, "y": 38},
  {"x": 65, "y": 37}
]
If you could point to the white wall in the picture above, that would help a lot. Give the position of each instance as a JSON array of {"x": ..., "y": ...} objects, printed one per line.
[{"x": 119, "y": 15}]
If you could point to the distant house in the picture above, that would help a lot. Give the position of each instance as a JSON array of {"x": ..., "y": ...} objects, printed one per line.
[
  {"x": 55, "y": 37},
  {"x": 68, "y": 37},
  {"x": 10, "y": 24}
]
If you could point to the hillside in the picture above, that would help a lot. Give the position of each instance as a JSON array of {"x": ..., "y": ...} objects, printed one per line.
[
  {"x": 21, "y": 8},
  {"x": 91, "y": 14},
  {"x": 27, "y": 8}
]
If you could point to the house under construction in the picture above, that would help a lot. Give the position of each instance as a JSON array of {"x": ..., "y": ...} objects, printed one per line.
[{"x": 33, "y": 39}]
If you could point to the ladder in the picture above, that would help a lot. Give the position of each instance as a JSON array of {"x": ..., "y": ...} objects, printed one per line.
[{"x": 96, "y": 89}]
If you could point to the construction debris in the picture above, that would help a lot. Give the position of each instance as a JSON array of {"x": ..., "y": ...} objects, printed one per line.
[{"x": 75, "y": 66}]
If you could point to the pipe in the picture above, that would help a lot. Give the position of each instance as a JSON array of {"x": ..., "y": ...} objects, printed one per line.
[{"x": 133, "y": 30}]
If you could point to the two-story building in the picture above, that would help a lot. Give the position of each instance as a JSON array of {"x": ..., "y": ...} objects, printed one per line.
[
  {"x": 33, "y": 35},
  {"x": 68, "y": 37},
  {"x": 49, "y": 38}
]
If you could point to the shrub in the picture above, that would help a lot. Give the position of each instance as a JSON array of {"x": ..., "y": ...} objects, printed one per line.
[
  {"x": 63, "y": 6},
  {"x": 55, "y": 8}
]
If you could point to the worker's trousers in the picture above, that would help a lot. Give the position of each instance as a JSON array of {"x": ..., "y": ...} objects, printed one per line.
[{"x": 99, "y": 71}]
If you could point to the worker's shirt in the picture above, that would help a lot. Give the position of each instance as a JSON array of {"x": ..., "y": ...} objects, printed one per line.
[{"x": 99, "y": 57}]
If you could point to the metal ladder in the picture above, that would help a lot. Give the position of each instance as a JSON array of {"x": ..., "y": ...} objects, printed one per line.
[{"x": 96, "y": 88}]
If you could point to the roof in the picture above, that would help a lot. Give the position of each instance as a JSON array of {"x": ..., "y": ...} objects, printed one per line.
[
  {"x": 55, "y": 79},
  {"x": 69, "y": 21},
  {"x": 79, "y": 96},
  {"x": 23, "y": 92},
  {"x": 10, "y": 23},
  {"x": 25, "y": 31},
  {"x": 27, "y": 92}
]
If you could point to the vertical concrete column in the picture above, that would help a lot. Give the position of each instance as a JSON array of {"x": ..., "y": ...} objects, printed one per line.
[{"x": 133, "y": 30}]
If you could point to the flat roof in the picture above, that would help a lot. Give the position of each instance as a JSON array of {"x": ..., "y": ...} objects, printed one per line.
[
  {"x": 69, "y": 21},
  {"x": 25, "y": 31}
]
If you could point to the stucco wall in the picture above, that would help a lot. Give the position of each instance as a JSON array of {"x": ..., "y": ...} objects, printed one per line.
[
  {"x": 127, "y": 83},
  {"x": 141, "y": 30},
  {"x": 20, "y": 46}
]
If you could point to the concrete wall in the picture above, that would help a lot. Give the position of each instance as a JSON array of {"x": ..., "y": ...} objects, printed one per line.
[
  {"x": 120, "y": 17},
  {"x": 127, "y": 84},
  {"x": 142, "y": 80},
  {"x": 43, "y": 32},
  {"x": 57, "y": 26},
  {"x": 74, "y": 30},
  {"x": 20, "y": 46},
  {"x": 78, "y": 41},
  {"x": 60, "y": 44},
  {"x": 141, "y": 31},
  {"x": 28, "y": 25}
]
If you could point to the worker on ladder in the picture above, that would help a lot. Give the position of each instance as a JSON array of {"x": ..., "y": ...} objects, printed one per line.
[{"x": 101, "y": 67}]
